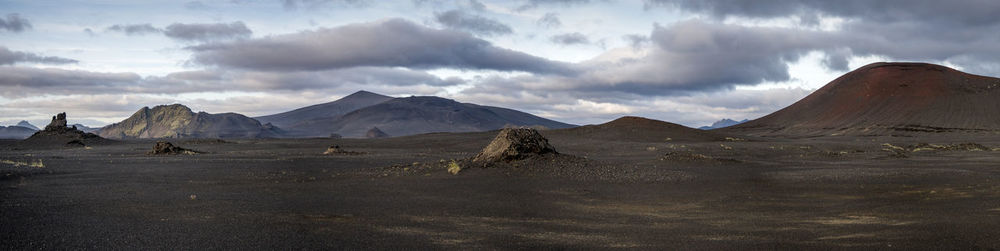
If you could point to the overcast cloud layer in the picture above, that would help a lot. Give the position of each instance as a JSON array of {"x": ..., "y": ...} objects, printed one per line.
[
  {"x": 390, "y": 43},
  {"x": 577, "y": 61}
]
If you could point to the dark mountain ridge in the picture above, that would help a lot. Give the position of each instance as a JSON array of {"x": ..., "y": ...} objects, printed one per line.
[
  {"x": 332, "y": 109},
  {"x": 423, "y": 114}
]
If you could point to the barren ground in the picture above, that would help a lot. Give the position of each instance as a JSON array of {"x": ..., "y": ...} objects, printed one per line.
[{"x": 829, "y": 193}]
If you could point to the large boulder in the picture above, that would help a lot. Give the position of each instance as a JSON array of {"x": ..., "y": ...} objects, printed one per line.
[
  {"x": 163, "y": 147},
  {"x": 515, "y": 144}
]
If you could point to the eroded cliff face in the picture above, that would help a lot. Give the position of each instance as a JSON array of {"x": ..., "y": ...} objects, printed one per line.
[{"x": 178, "y": 121}]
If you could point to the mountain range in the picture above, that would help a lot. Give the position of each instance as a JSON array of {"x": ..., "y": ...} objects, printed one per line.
[
  {"x": 15, "y": 132},
  {"x": 359, "y": 115},
  {"x": 877, "y": 99}
]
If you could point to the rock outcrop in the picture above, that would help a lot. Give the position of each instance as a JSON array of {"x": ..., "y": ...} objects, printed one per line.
[
  {"x": 336, "y": 150},
  {"x": 375, "y": 133},
  {"x": 178, "y": 121},
  {"x": 515, "y": 144},
  {"x": 166, "y": 148},
  {"x": 57, "y": 134}
]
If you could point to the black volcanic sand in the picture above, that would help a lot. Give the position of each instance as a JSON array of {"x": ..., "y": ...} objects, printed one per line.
[{"x": 828, "y": 193}]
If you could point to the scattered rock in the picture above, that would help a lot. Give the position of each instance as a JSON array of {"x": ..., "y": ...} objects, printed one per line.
[
  {"x": 336, "y": 150},
  {"x": 163, "y": 147},
  {"x": 949, "y": 147},
  {"x": 902, "y": 152},
  {"x": 895, "y": 151},
  {"x": 375, "y": 133},
  {"x": 207, "y": 141},
  {"x": 688, "y": 156},
  {"x": 515, "y": 144},
  {"x": 454, "y": 168},
  {"x": 685, "y": 156}
]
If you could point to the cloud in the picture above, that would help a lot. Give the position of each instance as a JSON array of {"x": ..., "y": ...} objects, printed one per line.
[
  {"x": 689, "y": 56},
  {"x": 691, "y": 109},
  {"x": 531, "y": 4},
  {"x": 966, "y": 13},
  {"x": 389, "y": 43},
  {"x": 636, "y": 40},
  {"x": 196, "y": 5},
  {"x": 20, "y": 82},
  {"x": 460, "y": 20},
  {"x": 549, "y": 20},
  {"x": 865, "y": 28},
  {"x": 312, "y": 4},
  {"x": 9, "y": 57},
  {"x": 14, "y": 23},
  {"x": 134, "y": 29},
  {"x": 476, "y": 5},
  {"x": 570, "y": 39},
  {"x": 207, "y": 32},
  {"x": 29, "y": 81}
]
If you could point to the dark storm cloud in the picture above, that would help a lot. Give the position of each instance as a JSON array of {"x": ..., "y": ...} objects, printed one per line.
[
  {"x": 134, "y": 29},
  {"x": 14, "y": 23},
  {"x": 550, "y": 20},
  {"x": 391, "y": 43},
  {"x": 207, "y": 32},
  {"x": 570, "y": 39},
  {"x": 8, "y": 57},
  {"x": 460, "y": 20}
]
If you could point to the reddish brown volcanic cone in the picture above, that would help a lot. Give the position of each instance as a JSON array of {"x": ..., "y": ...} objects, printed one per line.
[{"x": 889, "y": 99}]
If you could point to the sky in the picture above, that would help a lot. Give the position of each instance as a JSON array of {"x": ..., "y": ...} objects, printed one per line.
[{"x": 690, "y": 62}]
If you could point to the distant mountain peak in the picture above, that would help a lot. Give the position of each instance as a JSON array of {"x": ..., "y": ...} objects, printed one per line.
[
  {"x": 26, "y": 124},
  {"x": 725, "y": 122},
  {"x": 364, "y": 93},
  {"x": 349, "y": 103}
]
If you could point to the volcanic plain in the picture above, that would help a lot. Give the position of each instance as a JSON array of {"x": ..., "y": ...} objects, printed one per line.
[{"x": 397, "y": 193}]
